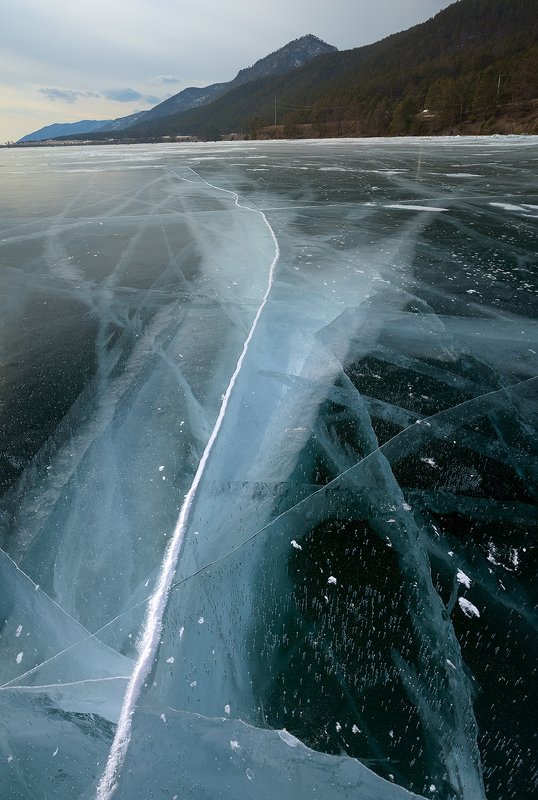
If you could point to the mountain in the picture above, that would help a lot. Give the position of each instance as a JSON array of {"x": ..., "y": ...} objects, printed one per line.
[
  {"x": 289, "y": 57},
  {"x": 292, "y": 56},
  {"x": 474, "y": 67},
  {"x": 66, "y": 129}
]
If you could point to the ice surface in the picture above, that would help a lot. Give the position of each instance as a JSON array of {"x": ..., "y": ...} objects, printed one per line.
[{"x": 269, "y": 455}]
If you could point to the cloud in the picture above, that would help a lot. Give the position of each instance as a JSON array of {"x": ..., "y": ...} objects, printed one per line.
[
  {"x": 66, "y": 95},
  {"x": 122, "y": 95},
  {"x": 117, "y": 95},
  {"x": 166, "y": 79},
  {"x": 129, "y": 96}
]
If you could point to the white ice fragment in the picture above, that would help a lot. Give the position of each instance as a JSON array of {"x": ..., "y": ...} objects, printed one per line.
[
  {"x": 391, "y": 520},
  {"x": 161, "y": 468},
  {"x": 170, "y": 660},
  {"x": 18, "y": 631},
  {"x": 450, "y": 664},
  {"x": 200, "y": 620},
  {"x": 227, "y": 709},
  {"x": 451, "y": 553},
  {"x": 468, "y": 608},
  {"x": 332, "y": 580},
  {"x": 406, "y": 507},
  {"x": 234, "y": 744},
  {"x": 288, "y": 738},
  {"x": 55, "y": 752},
  {"x": 163, "y": 717},
  {"x": 193, "y": 684},
  {"x": 433, "y": 788},
  {"x": 294, "y": 544},
  {"x": 355, "y": 729},
  {"x": 463, "y": 578},
  {"x": 338, "y": 727},
  {"x": 9, "y": 759},
  {"x": 19, "y": 657},
  {"x": 181, "y": 632},
  {"x": 429, "y": 461},
  {"x": 249, "y": 774},
  {"x": 391, "y": 734}
]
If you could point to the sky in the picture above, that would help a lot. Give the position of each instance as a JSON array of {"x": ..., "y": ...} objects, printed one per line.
[{"x": 68, "y": 60}]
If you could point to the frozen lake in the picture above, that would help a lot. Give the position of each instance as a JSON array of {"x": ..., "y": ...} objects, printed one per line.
[{"x": 268, "y": 470}]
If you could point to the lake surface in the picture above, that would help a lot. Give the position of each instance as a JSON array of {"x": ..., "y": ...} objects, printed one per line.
[{"x": 268, "y": 470}]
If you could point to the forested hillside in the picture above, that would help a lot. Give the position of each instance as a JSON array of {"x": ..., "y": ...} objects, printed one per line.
[{"x": 473, "y": 68}]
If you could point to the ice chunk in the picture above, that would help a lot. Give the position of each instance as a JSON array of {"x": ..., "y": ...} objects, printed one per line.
[
  {"x": 463, "y": 578},
  {"x": 468, "y": 608}
]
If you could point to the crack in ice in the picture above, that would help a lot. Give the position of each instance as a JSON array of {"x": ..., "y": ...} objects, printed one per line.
[
  {"x": 261, "y": 530},
  {"x": 149, "y": 640}
]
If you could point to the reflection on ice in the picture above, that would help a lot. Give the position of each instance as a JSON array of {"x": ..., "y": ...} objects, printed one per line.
[{"x": 274, "y": 518}]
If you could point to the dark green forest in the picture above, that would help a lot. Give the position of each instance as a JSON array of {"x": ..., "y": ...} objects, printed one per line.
[{"x": 473, "y": 68}]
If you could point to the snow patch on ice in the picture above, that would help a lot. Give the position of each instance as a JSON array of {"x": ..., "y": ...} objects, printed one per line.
[{"x": 414, "y": 208}]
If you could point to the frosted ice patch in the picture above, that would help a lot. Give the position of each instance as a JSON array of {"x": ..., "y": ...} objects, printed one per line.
[
  {"x": 234, "y": 744},
  {"x": 227, "y": 709},
  {"x": 332, "y": 580},
  {"x": 296, "y": 545},
  {"x": 163, "y": 717},
  {"x": 288, "y": 738},
  {"x": 201, "y": 620},
  {"x": 355, "y": 729},
  {"x": 19, "y": 658},
  {"x": 468, "y": 608},
  {"x": 463, "y": 578},
  {"x": 170, "y": 660},
  {"x": 18, "y": 631}
]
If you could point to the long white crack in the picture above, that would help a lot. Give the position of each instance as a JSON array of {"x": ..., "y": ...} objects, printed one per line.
[{"x": 152, "y": 628}]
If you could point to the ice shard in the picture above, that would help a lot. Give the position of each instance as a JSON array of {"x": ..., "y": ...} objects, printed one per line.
[{"x": 269, "y": 469}]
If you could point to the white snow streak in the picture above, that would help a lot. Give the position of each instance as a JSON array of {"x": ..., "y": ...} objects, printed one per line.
[{"x": 152, "y": 629}]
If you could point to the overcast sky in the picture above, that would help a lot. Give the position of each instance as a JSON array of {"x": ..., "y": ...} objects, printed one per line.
[{"x": 67, "y": 60}]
